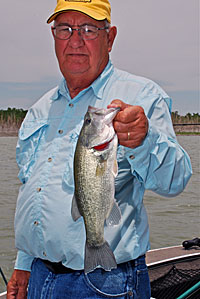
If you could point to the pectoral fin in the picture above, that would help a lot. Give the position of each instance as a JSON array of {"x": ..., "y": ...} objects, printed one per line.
[
  {"x": 115, "y": 215},
  {"x": 74, "y": 210},
  {"x": 115, "y": 168}
]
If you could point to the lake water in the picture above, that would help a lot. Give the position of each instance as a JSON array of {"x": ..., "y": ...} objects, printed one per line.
[{"x": 172, "y": 220}]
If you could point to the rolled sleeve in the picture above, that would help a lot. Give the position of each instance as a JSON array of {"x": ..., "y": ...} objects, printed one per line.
[
  {"x": 23, "y": 261},
  {"x": 160, "y": 163}
]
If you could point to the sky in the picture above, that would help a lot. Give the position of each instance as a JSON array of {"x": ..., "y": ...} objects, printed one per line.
[{"x": 156, "y": 39}]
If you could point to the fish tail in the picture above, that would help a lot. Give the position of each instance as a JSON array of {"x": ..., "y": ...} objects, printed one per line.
[{"x": 99, "y": 256}]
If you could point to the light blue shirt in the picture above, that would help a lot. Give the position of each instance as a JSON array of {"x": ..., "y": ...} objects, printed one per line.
[{"x": 44, "y": 227}]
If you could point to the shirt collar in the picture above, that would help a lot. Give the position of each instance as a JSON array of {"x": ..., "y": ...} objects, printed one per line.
[
  {"x": 61, "y": 90},
  {"x": 98, "y": 85}
]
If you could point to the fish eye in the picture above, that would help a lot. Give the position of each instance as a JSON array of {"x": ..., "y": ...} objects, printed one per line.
[{"x": 88, "y": 121}]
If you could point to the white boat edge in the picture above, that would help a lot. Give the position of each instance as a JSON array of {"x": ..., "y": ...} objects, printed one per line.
[
  {"x": 172, "y": 259},
  {"x": 165, "y": 260},
  {"x": 3, "y": 295}
]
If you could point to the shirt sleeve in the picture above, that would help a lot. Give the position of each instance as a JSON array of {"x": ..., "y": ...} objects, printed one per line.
[
  {"x": 160, "y": 163},
  {"x": 23, "y": 261}
]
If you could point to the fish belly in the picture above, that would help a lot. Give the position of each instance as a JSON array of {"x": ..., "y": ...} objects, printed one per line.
[{"x": 94, "y": 192}]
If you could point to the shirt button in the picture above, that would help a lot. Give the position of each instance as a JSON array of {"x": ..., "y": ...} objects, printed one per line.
[
  {"x": 39, "y": 189},
  {"x": 60, "y": 131},
  {"x": 44, "y": 253},
  {"x": 49, "y": 159},
  {"x": 132, "y": 157},
  {"x": 71, "y": 105},
  {"x": 36, "y": 223}
]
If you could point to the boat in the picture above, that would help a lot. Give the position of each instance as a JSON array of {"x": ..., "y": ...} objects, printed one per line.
[{"x": 174, "y": 271}]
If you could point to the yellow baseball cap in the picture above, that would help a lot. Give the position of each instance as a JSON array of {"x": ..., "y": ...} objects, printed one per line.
[{"x": 96, "y": 9}]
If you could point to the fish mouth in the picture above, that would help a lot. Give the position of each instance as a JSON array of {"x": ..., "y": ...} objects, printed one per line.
[
  {"x": 102, "y": 146},
  {"x": 105, "y": 133},
  {"x": 103, "y": 143}
]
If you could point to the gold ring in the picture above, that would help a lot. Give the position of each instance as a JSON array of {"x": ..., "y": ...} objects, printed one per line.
[{"x": 129, "y": 134}]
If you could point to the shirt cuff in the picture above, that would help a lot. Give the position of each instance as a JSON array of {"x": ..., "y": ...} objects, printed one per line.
[{"x": 23, "y": 261}]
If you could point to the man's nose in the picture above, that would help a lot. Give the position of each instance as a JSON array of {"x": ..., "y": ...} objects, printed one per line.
[{"x": 75, "y": 39}]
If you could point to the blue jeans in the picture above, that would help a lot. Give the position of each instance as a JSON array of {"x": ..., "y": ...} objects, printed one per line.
[{"x": 126, "y": 282}]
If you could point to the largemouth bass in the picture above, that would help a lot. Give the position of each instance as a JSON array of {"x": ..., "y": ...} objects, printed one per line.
[{"x": 95, "y": 168}]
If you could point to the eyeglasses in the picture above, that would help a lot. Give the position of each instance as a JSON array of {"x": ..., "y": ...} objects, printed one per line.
[{"x": 87, "y": 32}]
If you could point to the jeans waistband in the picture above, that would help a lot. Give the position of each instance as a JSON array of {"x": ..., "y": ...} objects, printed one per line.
[{"x": 58, "y": 268}]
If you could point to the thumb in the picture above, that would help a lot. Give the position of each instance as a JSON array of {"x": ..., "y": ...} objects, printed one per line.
[
  {"x": 118, "y": 103},
  {"x": 12, "y": 290},
  {"x": 12, "y": 294}
]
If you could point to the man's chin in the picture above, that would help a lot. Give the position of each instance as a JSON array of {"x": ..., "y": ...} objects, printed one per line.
[{"x": 78, "y": 69}]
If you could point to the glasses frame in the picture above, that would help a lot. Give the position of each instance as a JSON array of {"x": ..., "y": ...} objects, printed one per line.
[{"x": 71, "y": 29}]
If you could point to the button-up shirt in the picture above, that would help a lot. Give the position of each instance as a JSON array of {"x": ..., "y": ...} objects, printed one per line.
[{"x": 44, "y": 226}]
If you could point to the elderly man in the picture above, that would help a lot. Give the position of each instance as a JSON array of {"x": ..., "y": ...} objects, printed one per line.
[{"x": 50, "y": 244}]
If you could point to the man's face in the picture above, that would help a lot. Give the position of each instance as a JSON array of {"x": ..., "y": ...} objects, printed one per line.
[{"x": 78, "y": 57}]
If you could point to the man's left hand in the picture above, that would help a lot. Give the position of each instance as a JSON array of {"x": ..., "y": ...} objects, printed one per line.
[{"x": 130, "y": 124}]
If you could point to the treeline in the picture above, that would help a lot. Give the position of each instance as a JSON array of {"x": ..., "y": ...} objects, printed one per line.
[
  {"x": 14, "y": 117},
  {"x": 187, "y": 119}
]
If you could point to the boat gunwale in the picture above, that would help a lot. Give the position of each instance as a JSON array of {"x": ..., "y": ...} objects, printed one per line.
[
  {"x": 3, "y": 295},
  {"x": 177, "y": 258}
]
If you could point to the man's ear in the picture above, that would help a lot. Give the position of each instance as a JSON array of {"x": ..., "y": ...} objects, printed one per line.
[
  {"x": 111, "y": 37},
  {"x": 52, "y": 31}
]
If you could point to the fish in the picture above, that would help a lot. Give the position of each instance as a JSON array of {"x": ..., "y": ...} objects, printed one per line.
[{"x": 95, "y": 169}]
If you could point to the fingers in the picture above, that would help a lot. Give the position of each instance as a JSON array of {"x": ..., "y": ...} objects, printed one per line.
[
  {"x": 16, "y": 292},
  {"x": 128, "y": 113},
  {"x": 132, "y": 141},
  {"x": 130, "y": 124},
  {"x": 118, "y": 103},
  {"x": 17, "y": 286},
  {"x": 124, "y": 115},
  {"x": 12, "y": 290}
]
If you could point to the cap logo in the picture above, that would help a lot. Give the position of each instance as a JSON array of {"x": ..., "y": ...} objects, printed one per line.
[{"x": 78, "y": 0}]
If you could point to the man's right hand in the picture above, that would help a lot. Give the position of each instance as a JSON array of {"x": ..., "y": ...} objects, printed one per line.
[{"x": 17, "y": 285}]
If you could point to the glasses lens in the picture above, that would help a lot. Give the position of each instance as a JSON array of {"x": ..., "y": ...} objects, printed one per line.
[
  {"x": 62, "y": 32},
  {"x": 88, "y": 32}
]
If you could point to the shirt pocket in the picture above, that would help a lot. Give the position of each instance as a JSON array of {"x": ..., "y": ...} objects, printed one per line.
[
  {"x": 28, "y": 147},
  {"x": 68, "y": 175}
]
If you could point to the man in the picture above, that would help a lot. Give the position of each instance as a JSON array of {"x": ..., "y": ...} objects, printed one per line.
[{"x": 50, "y": 244}]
